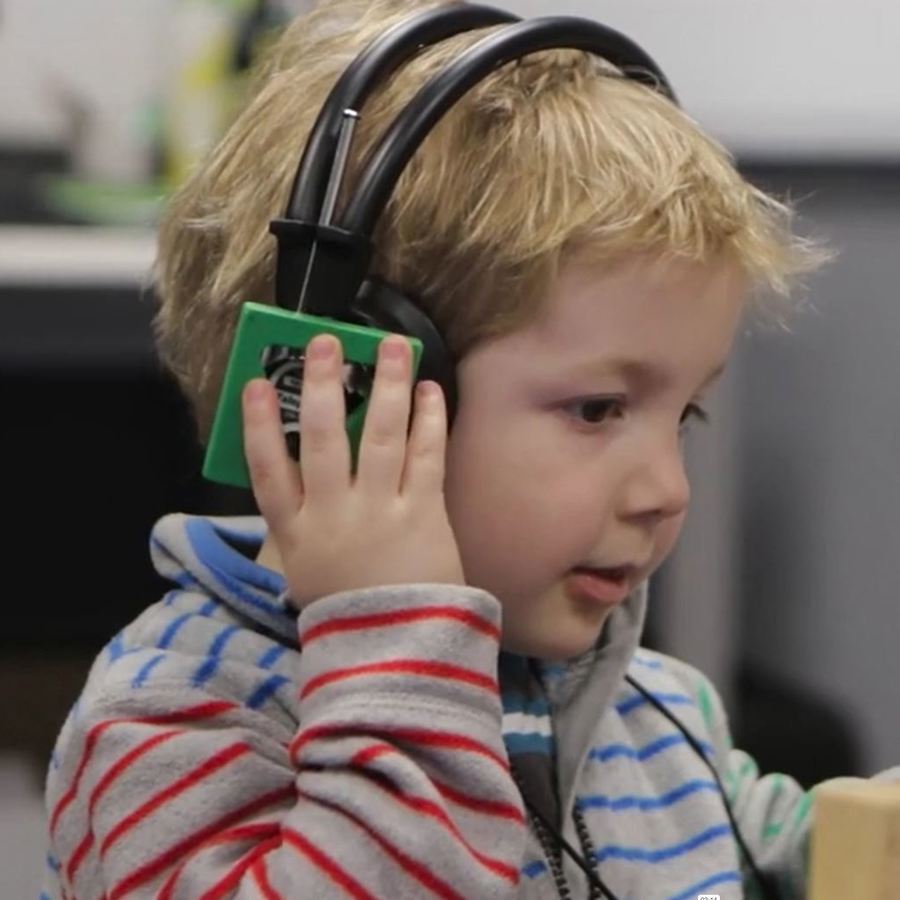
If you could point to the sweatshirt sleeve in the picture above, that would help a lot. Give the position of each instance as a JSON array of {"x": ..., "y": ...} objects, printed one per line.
[
  {"x": 773, "y": 811},
  {"x": 395, "y": 783}
]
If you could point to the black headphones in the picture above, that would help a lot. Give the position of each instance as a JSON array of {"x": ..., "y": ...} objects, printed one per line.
[{"x": 322, "y": 266}]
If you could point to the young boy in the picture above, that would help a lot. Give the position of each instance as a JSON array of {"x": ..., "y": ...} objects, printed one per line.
[{"x": 471, "y": 714}]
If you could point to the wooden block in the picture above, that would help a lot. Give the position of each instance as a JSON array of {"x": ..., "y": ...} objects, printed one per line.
[{"x": 855, "y": 853}]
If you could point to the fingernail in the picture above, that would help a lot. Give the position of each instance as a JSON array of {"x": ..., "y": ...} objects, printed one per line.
[
  {"x": 255, "y": 393},
  {"x": 392, "y": 348},
  {"x": 321, "y": 348}
]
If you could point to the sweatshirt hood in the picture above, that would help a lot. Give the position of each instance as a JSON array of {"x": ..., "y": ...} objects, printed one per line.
[{"x": 215, "y": 555}]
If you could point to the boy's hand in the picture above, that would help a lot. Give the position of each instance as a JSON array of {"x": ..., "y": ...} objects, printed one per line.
[{"x": 334, "y": 531}]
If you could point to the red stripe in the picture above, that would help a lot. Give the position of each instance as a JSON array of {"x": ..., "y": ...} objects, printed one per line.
[
  {"x": 363, "y": 757},
  {"x": 327, "y": 865},
  {"x": 202, "y": 711},
  {"x": 423, "y": 667},
  {"x": 191, "y": 842},
  {"x": 495, "y": 808},
  {"x": 400, "y": 617},
  {"x": 447, "y": 740},
  {"x": 233, "y": 879},
  {"x": 261, "y": 878},
  {"x": 426, "y": 807},
  {"x": 204, "y": 770},
  {"x": 88, "y": 840},
  {"x": 128, "y": 759},
  {"x": 269, "y": 830},
  {"x": 78, "y": 856},
  {"x": 412, "y": 867}
]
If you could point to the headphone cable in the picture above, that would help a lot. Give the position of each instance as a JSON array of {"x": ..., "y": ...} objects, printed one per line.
[{"x": 585, "y": 867}]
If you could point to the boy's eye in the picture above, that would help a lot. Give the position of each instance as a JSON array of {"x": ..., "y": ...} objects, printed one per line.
[{"x": 594, "y": 410}]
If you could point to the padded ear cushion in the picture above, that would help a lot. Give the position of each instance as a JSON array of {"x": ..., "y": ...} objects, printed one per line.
[{"x": 379, "y": 305}]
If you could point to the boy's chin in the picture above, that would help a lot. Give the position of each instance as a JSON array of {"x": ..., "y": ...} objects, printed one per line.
[{"x": 552, "y": 645}]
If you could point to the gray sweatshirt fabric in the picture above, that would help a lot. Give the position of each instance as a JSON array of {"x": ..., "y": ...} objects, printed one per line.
[{"x": 209, "y": 757}]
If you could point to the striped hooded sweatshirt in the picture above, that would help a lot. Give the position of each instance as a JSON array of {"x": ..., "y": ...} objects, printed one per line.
[{"x": 209, "y": 757}]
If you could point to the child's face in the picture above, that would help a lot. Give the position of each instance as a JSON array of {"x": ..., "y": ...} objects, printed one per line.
[{"x": 539, "y": 483}]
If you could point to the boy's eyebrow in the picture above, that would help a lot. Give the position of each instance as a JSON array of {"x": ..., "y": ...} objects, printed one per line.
[{"x": 635, "y": 370}]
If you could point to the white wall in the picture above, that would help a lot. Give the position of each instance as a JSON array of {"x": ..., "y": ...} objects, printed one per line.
[
  {"x": 796, "y": 78},
  {"x": 102, "y": 55},
  {"x": 781, "y": 78},
  {"x": 103, "y": 63}
]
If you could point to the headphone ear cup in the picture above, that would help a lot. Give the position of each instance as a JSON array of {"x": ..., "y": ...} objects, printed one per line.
[{"x": 380, "y": 305}]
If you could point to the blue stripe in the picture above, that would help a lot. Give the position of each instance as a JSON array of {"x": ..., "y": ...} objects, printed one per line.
[
  {"x": 623, "y": 707},
  {"x": 221, "y": 639},
  {"x": 719, "y": 878},
  {"x": 205, "y": 611},
  {"x": 146, "y": 669},
  {"x": 631, "y": 801},
  {"x": 53, "y": 863},
  {"x": 535, "y": 706},
  {"x": 533, "y": 869},
  {"x": 255, "y": 536},
  {"x": 234, "y": 571},
  {"x": 640, "y": 854},
  {"x": 208, "y": 667},
  {"x": 185, "y": 580},
  {"x": 647, "y": 663},
  {"x": 553, "y": 671},
  {"x": 611, "y": 751},
  {"x": 182, "y": 577},
  {"x": 265, "y": 690},
  {"x": 527, "y": 743},
  {"x": 173, "y": 628},
  {"x": 44, "y": 896},
  {"x": 271, "y": 656},
  {"x": 116, "y": 647}
]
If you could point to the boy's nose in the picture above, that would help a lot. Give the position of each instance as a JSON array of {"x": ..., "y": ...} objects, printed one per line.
[{"x": 658, "y": 487}]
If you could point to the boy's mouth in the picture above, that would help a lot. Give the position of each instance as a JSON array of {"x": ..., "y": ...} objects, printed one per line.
[
  {"x": 603, "y": 585},
  {"x": 615, "y": 574}
]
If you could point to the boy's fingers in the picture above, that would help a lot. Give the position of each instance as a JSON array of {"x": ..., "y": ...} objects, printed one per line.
[
  {"x": 424, "y": 469},
  {"x": 382, "y": 449},
  {"x": 273, "y": 474},
  {"x": 324, "y": 447}
]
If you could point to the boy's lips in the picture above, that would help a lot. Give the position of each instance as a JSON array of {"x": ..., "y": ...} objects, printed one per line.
[
  {"x": 608, "y": 585},
  {"x": 623, "y": 571}
]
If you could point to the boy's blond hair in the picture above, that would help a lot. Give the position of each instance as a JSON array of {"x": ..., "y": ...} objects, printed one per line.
[{"x": 548, "y": 155}]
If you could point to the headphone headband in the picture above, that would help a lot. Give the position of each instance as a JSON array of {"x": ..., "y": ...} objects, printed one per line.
[
  {"x": 321, "y": 265},
  {"x": 371, "y": 67},
  {"x": 413, "y": 125}
]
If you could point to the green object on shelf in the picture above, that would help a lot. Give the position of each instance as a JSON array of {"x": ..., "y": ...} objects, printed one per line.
[{"x": 100, "y": 203}]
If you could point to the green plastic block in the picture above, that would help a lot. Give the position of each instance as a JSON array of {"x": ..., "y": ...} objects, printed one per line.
[{"x": 269, "y": 342}]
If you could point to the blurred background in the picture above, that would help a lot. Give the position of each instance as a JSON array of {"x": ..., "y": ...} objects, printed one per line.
[{"x": 784, "y": 588}]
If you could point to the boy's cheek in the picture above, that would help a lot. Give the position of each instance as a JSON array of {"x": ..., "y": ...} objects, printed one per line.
[{"x": 667, "y": 539}]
